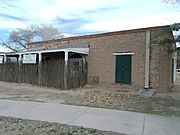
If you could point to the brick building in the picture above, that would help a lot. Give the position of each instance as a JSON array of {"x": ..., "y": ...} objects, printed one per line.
[{"x": 130, "y": 59}]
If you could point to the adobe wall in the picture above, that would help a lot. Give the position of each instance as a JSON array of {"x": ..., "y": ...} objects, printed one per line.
[
  {"x": 160, "y": 66},
  {"x": 101, "y": 61},
  {"x": 165, "y": 70}
]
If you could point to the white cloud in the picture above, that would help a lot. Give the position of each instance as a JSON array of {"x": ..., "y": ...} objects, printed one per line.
[
  {"x": 106, "y": 15},
  {"x": 12, "y": 25},
  {"x": 3, "y": 49},
  {"x": 123, "y": 22}
]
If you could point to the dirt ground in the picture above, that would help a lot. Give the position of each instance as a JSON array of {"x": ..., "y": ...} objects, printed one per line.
[
  {"x": 160, "y": 103},
  {"x": 15, "y": 126}
]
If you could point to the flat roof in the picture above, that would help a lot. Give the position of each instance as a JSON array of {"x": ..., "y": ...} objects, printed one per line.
[{"x": 98, "y": 35}]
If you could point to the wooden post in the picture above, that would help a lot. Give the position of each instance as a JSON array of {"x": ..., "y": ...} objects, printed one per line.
[
  {"x": 4, "y": 68},
  {"x": 19, "y": 69},
  {"x": 40, "y": 70},
  {"x": 5, "y": 58},
  {"x": 84, "y": 72},
  {"x": 65, "y": 69}
]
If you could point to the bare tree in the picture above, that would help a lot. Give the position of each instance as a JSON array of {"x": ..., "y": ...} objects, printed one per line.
[
  {"x": 49, "y": 32},
  {"x": 175, "y": 26},
  {"x": 2, "y": 43},
  {"x": 172, "y": 1},
  {"x": 21, "y": 36}
]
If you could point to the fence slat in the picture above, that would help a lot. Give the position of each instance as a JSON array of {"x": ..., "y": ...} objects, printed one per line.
[{"x": 52, "y": 74}]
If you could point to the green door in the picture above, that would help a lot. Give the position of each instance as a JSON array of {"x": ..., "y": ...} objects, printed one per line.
[{"x": 123, "y": 69}]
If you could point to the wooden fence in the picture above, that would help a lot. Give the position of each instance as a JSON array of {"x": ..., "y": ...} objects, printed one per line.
[{"x": 51, "y": 73}]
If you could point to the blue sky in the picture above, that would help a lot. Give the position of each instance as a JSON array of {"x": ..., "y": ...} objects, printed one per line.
[{"x": 79, "y": 17}]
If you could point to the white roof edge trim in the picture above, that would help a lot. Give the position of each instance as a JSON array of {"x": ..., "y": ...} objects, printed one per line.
[
  {"x": 76, "y": 50},
  {"x": 123, "y": 53},
  {"x": 79, "y": 50}
]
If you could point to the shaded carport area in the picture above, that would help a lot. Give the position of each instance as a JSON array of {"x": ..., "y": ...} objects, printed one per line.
[
  {"x": 63, "y": 68},
  {"x": 59, "y": 68}
]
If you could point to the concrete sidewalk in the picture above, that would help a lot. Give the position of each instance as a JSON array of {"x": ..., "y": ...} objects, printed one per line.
[{"x": 103, "y": 119}]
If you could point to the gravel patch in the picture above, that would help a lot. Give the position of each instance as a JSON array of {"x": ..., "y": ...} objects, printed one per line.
[{"x": 16, "y": 126}]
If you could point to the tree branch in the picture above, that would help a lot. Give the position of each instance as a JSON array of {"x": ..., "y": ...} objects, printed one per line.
[
  {"x": 3, "y": 43},
  {"x": 172, "y": 1}
]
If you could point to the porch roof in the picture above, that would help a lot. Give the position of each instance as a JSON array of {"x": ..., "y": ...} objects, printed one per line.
[{"x": 82, "y": 50}]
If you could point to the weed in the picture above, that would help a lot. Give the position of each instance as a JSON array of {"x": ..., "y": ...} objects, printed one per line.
[
  {"x": 82, "y": 130},
  {"x": 43, "y": 126},
  {"x": 93, "y": 131},
  {"x": 21, "y": 128},
  {"x": 62, "y": 133},
  {"x": 69, "y": 133},
  {"x": 53, "y": 131},
  {"x": 74, "y": 131},
  {"x": 1, "y": 118}
]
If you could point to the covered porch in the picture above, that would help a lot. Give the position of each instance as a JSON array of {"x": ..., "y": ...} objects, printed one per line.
[{"x": 51, "y": 68}]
